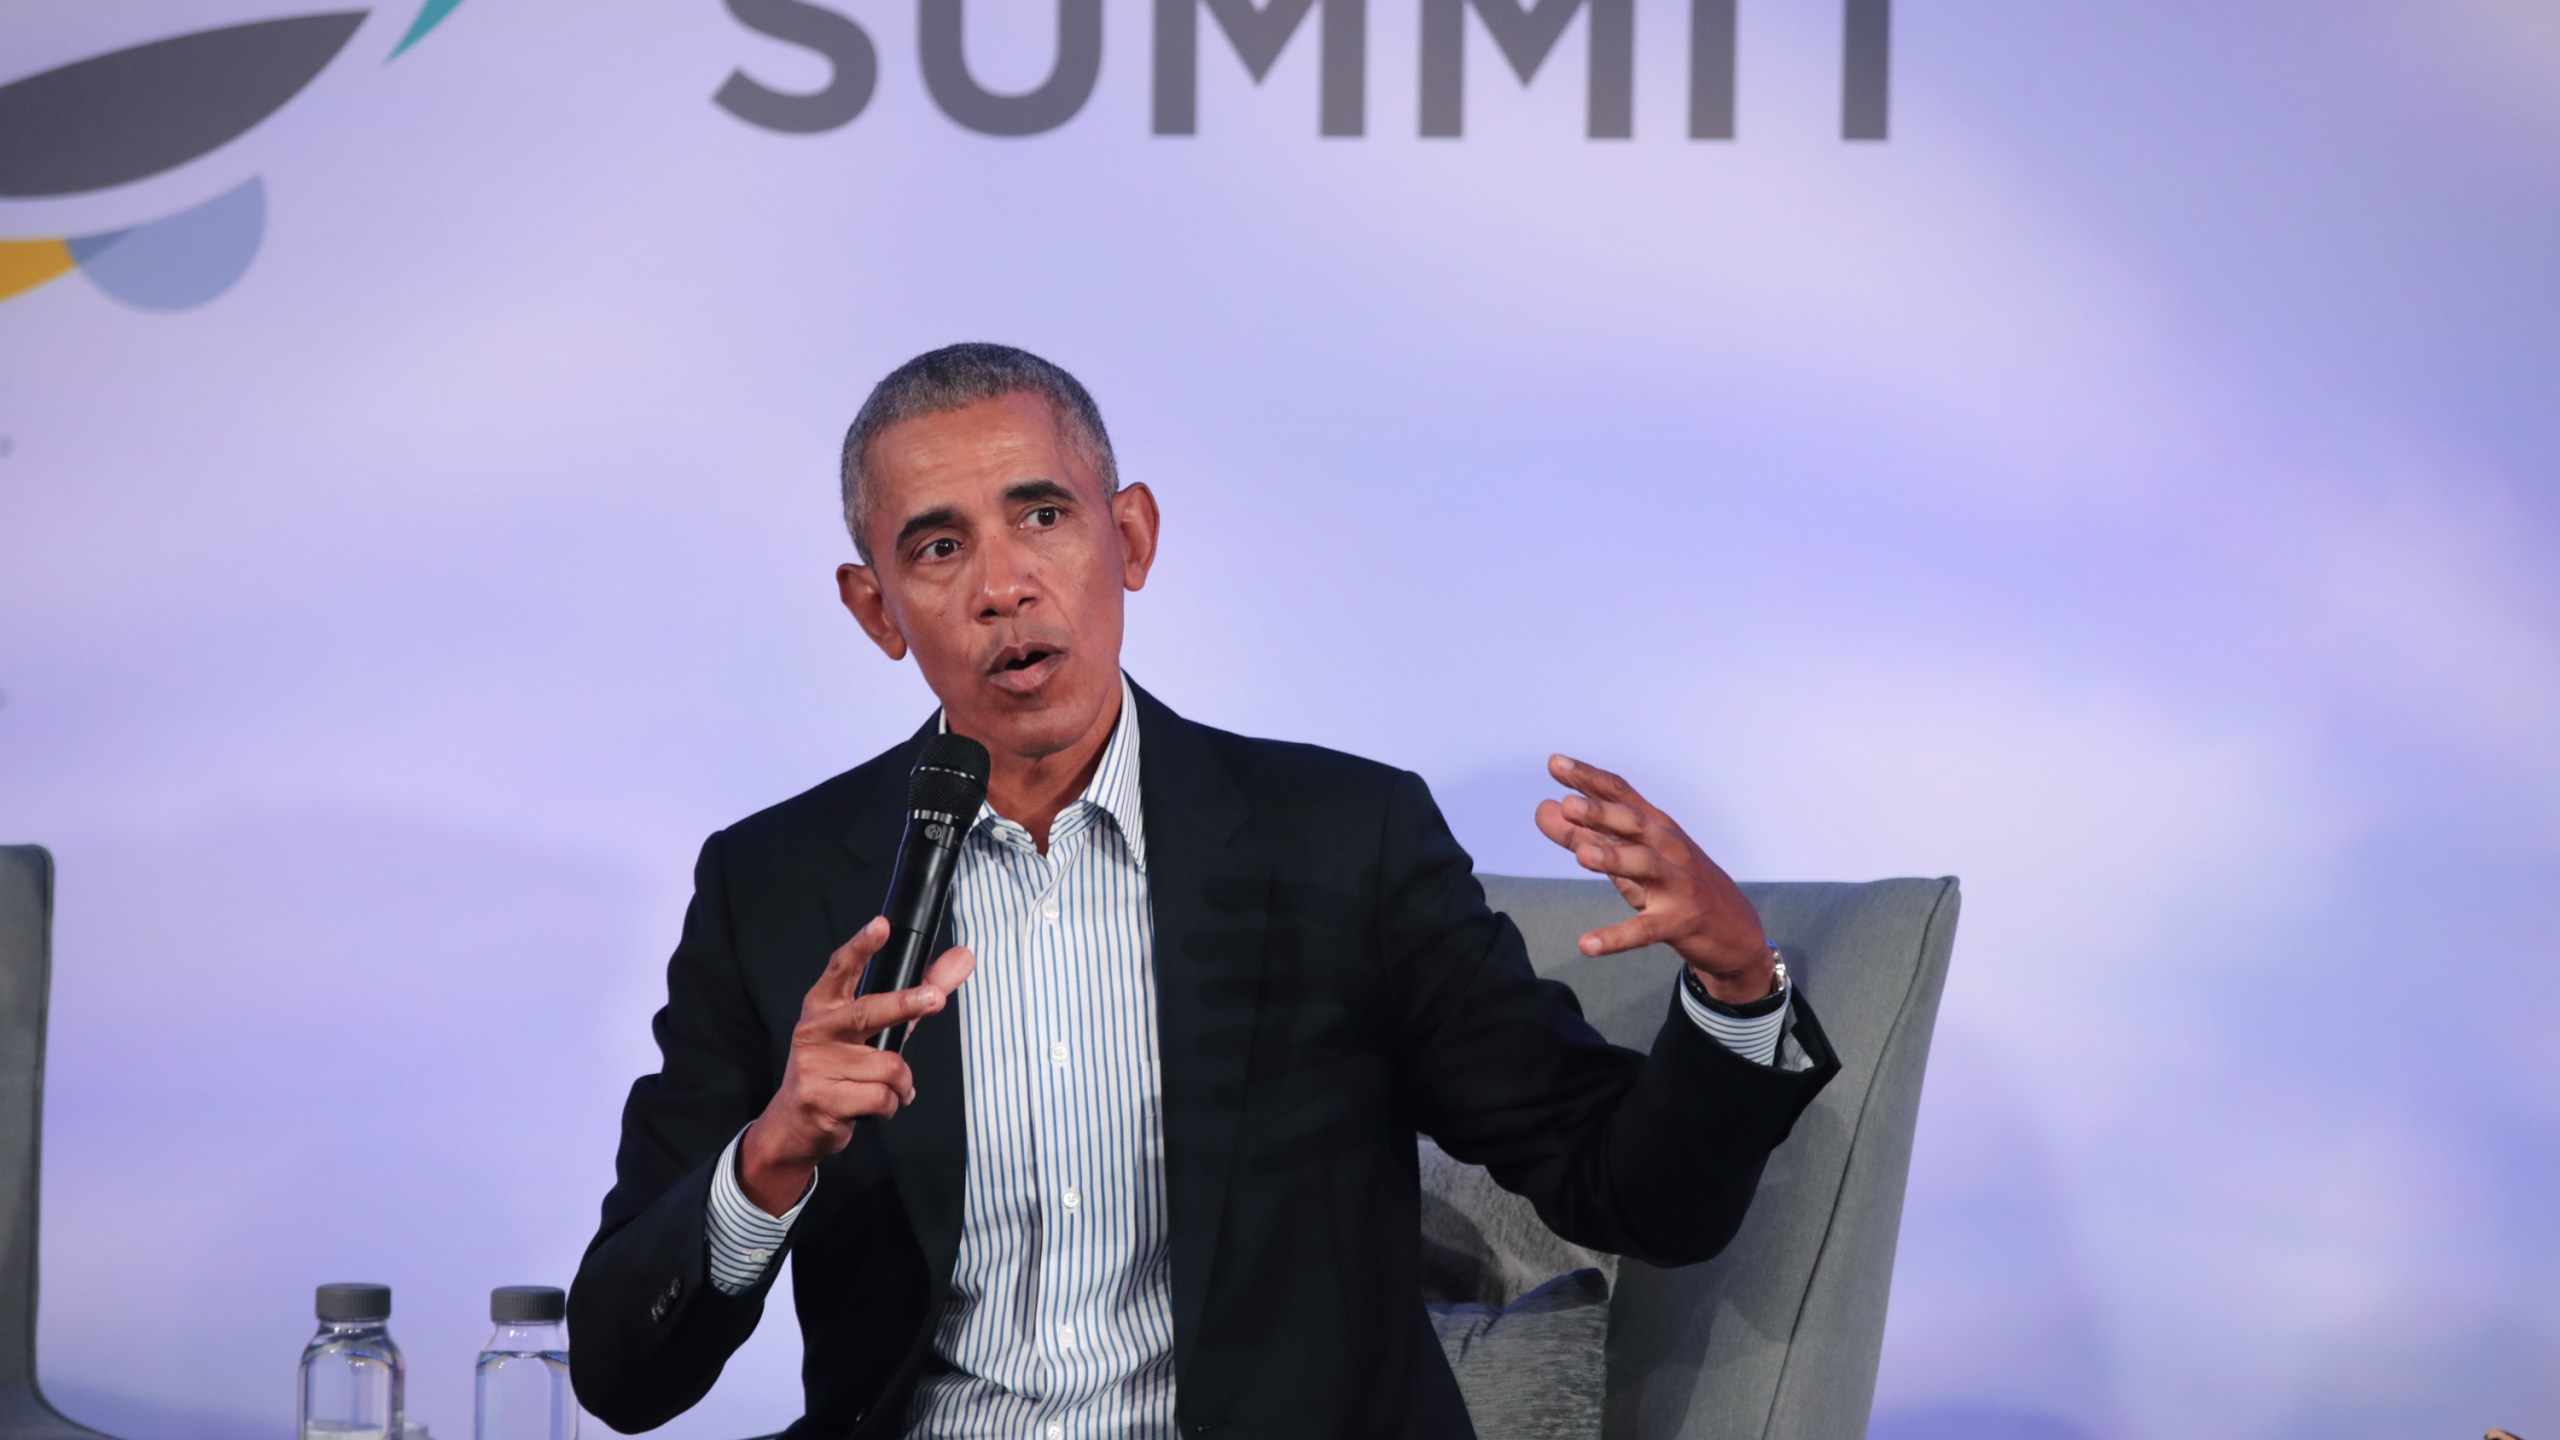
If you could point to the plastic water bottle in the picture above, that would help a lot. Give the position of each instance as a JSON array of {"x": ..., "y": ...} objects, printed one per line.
[
  {"x": 352, "y": 1375},
  {"x": 523, "y": 1379}
]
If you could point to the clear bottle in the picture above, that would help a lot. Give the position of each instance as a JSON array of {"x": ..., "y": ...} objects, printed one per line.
[
  {"x": 523, "y": 1378},
  {"x": 352, "y": 1375}
]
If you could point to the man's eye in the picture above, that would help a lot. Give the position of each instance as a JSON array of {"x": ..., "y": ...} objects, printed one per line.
[
  {"x": 1043, "y": 516},
  {"x": 942, "y": 549}
]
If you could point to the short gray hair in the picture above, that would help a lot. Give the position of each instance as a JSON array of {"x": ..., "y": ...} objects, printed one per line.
[{"x": 953, "y": 378}]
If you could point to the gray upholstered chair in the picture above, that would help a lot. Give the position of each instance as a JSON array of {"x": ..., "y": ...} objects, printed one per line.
[
  {"x": 1777, "y": 1338},
  {"x": 26, "y": 974}
]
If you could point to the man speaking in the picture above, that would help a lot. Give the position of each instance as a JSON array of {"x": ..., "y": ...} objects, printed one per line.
[{"x": 1151, "y": 1170}]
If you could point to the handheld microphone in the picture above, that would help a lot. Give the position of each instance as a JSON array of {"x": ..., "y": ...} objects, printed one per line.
[{"x": 943, "y": 795}]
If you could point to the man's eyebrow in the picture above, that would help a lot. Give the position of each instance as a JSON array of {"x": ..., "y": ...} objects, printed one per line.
[
  {"x": 933, "y": 519},
  {"x": 1023, "y": 492}
]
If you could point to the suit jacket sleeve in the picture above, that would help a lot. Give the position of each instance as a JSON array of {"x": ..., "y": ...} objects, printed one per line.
[
  {"x": 649, "y": 1330},
  {"x": 1654, "y": 1156}
]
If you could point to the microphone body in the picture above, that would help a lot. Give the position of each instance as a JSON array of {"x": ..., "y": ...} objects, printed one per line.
[{"x": 943, "y": 796}]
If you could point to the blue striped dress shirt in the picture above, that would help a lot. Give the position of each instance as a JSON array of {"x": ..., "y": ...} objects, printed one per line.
[{"x": 1059, "y": 1323}]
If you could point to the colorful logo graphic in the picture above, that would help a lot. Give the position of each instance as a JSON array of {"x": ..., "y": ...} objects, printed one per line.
[{"x": 128, "y": 115}]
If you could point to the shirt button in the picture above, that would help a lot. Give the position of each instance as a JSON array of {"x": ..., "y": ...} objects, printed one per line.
[
  {"x": 1058, "y": 1053},
  {"x": 1071, "y": 1198},
  {"x": 1066, "y": 1337},
  {"x": 1057, "y": 1431},
  {"x": 1049, "y": 910},
  {"x": 759, "y": 1255}
]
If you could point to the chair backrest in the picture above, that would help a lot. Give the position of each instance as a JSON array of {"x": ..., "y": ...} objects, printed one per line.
[
  {"x": 1777, "y": 1338},
  {"x": 26, "y": 978}
]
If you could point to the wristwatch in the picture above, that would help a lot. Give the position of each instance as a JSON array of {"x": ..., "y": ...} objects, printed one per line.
[{"x": 1748, "y": 1010}]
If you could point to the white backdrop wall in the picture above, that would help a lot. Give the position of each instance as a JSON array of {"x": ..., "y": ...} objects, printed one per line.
[{"x": 2128, "y": 487}]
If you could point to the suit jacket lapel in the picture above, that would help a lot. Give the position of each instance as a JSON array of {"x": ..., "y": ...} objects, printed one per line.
[
  {"x": 1210, "y": 888},
  {"x": 927, "y": 1141}
]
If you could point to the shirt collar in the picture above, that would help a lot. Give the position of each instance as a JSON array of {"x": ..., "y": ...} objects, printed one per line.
[{"x": 1114, "y": 787}]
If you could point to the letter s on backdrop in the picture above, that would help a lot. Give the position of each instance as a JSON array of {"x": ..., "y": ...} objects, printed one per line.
[{"x": 797, "y": 22}]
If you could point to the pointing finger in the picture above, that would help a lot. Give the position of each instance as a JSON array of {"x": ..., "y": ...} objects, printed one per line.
[
  {"x": 844, "y": 968},
  {"x": 864, "y": 1016}
]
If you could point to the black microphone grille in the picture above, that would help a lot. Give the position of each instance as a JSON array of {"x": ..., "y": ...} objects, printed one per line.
[{"x": 950, "y": 777}]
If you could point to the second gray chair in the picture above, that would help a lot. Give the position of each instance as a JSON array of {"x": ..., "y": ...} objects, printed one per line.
[
  {"x": 1778, "y": 1338},
  {"x": 26, "y": 978}
]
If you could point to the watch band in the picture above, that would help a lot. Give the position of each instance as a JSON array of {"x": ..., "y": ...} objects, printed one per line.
[{"x": 1768, "y": 1004}]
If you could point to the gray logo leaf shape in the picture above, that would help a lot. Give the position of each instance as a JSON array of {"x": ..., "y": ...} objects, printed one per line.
[{"x": 115, "y": 118}]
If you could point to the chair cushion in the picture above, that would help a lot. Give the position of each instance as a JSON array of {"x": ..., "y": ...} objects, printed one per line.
[
  {"x": 1483, "y": 1245},
  {"x": 1538, "y": 1368},
  {"x": 1521, "y": 1312}
]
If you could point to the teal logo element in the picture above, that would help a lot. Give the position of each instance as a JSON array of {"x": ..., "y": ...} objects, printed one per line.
[
  {"x": 428, "y": 19},
  {"x": 131, "y": 114}
]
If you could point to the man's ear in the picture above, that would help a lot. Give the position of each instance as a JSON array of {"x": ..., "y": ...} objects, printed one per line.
[
  {"x": 860, "y": 587},
  {"x": 1133, "y": 510}
]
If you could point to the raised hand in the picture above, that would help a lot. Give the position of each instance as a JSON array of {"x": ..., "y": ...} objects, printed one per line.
[
  {"x": 834, "y": 1077},
  {"x": 1682, "y": 899}
]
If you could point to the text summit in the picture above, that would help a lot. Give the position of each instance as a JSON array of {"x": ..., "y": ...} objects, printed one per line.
[{"x": 1526, "y": 35}]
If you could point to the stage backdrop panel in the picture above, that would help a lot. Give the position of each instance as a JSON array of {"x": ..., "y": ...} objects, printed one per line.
[{"x": 2101, "y": 452}]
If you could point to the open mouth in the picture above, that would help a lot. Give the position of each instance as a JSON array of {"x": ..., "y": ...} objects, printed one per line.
[{"x": 1022, "y": 668}]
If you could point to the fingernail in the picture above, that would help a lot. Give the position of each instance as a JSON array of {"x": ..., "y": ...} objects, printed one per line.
[
  {"x": 928, "y": 995},
  {"x": 1589, "y": 946}
]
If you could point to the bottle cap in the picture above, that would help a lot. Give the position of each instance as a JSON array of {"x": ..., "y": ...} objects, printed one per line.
[
  {"x": 346, "y": 1302},
  {"x": 527, "y": 1305}
]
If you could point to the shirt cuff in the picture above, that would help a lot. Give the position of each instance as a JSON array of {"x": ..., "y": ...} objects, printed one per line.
[
  {"x": 1754, "y": 1039},
  {"x": 743, "y": 1237}
]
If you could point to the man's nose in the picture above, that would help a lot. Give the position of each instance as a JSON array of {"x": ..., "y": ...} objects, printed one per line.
[{"x": 1005, "y": 581}]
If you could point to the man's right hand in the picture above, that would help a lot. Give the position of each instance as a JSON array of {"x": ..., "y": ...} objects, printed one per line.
[{"x": 834, "y": 1077}]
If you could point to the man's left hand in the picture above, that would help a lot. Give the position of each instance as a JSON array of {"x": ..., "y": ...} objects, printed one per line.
[{"x": 1682, "y": 898}]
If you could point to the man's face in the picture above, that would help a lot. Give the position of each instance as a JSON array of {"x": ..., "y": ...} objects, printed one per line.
[{"x": 1000, "y": 563}]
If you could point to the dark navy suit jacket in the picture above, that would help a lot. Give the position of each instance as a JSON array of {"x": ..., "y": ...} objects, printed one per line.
[{"x": 1329, "y": 982}]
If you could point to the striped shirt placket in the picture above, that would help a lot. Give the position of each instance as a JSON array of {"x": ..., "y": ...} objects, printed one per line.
[{"x": 1060, "y": 1320}]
